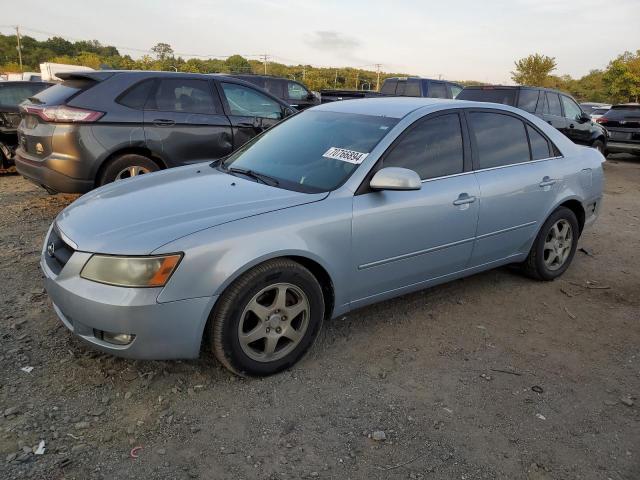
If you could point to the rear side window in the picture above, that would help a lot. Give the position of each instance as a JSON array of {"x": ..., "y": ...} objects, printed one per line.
[
  {"x": 182, "y": 95},
  {"x": 62, "y": 92},
  {"x": 553, "y": 102},
  {"x": 136, "y": 96},
  {"x": 412, "y": 89},
  {"x": 400, "y": 88},
  {"x": 528, "y": 99},
  {"x": 389, "y": 87},
  {"x": 506, "y": 96},
  {"x": 623, "y": 113},
  {"x": 437, "y": 90},
  {"x": 500, "y": 139},
  {"x": 433, "y": 148},
  {"x": 539, "y": 144},
  {"x": 274, "y": 87}
]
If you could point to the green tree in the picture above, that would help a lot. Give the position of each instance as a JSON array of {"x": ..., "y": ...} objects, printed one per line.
[
  {"x": 237, "y": 64},
  {"x": 162, "y": 51},
  {"x": 533, "y": 70},
  {"x": 622, "y": 77}
]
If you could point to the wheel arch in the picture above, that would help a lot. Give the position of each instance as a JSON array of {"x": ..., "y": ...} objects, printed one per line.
[
  {"x": 144, "y": 151},
  {"x": 576, "y": 207}
]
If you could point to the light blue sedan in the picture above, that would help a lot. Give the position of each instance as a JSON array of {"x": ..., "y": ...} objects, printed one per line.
[{"x": 340, "y": 206}]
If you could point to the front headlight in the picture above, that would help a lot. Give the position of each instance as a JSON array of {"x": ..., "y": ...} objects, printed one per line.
[{"x": 131, "y": 271}]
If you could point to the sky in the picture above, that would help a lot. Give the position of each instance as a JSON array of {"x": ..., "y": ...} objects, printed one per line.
[{"x": 458, "y": 40}]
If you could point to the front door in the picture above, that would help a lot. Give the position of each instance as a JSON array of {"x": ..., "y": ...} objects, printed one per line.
[
  {"x": 250, "y": 111},
  {"x": 578, "y": 127},
  {"x": 184, "y": 122},
  {"x": 402, "y": 239},
  {"x": 550, "y": 110}
]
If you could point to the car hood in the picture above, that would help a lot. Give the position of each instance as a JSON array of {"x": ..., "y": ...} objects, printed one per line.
[{"x": 136, "y": 216}]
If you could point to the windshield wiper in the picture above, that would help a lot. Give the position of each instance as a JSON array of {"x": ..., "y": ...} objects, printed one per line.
[{"x": 261, "y": 177}]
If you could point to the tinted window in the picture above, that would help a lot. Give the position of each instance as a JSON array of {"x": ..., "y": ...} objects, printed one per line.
[
  {"x": 137, "y": 96},
  {"x": 182, "y": 95},
  {"x": 505, "y": 96},
  {"x": 412, "y": 89},
  {"x": 437, "y": 90},
  {"x": 296, "y": 91},
  {"x": 455, "y": 90},
  {"x": 274, "y": 87},
  {"x": 297, "y": 151},
  {"x": 400, "y": 88},
  {"x": 553, "y": 102},
  {"x": 13, "y": 95},
  {"x": 433, "y": 148},
  {"x": 248, "y": 102},
  {"x": 528, "y": 99},
  {"x": 60, "y": 93},
  {"x": 623, "y": 113},
  {"x": 571, "y": 108},
  {"x": 389, "y": 87},
  {"x": 500, "y": 139},
  {"x": 599, "y": 111},
  {"x": 539, "y": 144}
]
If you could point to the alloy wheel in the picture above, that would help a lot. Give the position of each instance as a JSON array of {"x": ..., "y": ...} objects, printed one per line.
[
  {"x": 132, "y": 171},
  {"x": 274, "y": 322},
  {"x": 557, "y": 245}
]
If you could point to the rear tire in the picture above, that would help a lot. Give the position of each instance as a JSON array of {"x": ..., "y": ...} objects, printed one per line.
[
  {"x": 554, "y": 247},
  {"x": 127, "y": 166},
  {"x": 599, "y": 145},
  {"x": 267, "y": 319}
]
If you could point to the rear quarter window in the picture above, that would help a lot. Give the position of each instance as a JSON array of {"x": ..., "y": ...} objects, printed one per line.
[
  {"x": 389, "y": 87},
  {"x": 528, "y": 99}
]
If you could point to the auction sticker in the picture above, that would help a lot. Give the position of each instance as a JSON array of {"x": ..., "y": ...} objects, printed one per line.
[{"x": 345, "y": 155}]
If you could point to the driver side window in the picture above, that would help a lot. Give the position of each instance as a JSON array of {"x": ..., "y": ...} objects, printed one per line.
[
  {"x": 247, "y": 102},
  {"x": 571, "y": 109}
]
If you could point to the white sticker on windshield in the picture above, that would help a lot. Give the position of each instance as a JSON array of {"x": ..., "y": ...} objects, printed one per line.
[{"x": 345, "y": 155}]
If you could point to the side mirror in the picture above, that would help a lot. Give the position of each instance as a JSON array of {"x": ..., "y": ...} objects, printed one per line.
[
  {"x": 310, "y": 96},
  {"x": 585, "y": 117},
  {"x": 395, "y": 178}
]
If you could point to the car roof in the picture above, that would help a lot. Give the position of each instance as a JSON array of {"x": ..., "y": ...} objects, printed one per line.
[{"x": 23, "y": 82}]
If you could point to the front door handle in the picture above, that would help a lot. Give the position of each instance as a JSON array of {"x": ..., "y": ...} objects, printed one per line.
[
  {"x": 547, "y": 182},
  {"x": 571, "y": 125},
  {"x": 163, "y": 122},
  {"x": 463, "y": 199}
]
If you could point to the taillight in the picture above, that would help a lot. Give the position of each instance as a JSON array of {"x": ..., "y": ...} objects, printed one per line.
[
  {"x": 601, "y": 120},
  {"x": 64, "y": 114}
]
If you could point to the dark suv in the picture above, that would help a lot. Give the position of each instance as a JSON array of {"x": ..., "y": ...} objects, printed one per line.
[
  {"x": 290, "y": 91},
  {"x": 11, "y": 95},
  {"x": 623, "y": 123},
  {"x": 97, "y": 127},
  {"x": 556, "y": 108}
]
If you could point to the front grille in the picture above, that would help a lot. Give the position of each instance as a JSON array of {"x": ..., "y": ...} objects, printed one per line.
[{"x": 57, "y": 251}]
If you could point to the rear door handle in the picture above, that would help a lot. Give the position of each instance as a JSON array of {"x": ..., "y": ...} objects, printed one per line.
[
  {"x": 547, "y": 182},
  {"x": 463, "y": 199},
  {"x": 163, "y": 122}
]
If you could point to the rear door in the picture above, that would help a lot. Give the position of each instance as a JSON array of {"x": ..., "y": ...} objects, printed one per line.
[
  {"x": 517, "y": 178},
  {"x": 550, "y": 110},
  {"x": 249, "y": 110},
  {"x": 184, "y": 122},
  {"x": 404, "y": 238}
]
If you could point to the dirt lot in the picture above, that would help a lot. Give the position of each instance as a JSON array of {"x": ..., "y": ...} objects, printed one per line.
[{"x": 494, "y": 376}]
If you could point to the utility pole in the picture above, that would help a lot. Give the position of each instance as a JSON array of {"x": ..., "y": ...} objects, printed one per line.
[
  {"x": 378, "y": 66},
  {"x": 265, "y": 58},
  {"x": 335, "y": 82},
  {"x": 19, "y": 47},
  {"x": 357, "y": 77},
  {"x": 304, "y": 72}
]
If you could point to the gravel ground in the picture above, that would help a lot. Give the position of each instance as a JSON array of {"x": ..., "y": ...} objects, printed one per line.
[{"x": 493, "y": 376}]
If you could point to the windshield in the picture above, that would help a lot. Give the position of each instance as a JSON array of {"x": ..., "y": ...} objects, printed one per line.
[
  {"x": 312, "y": 151},
  {"x": 506, "y": 96}
]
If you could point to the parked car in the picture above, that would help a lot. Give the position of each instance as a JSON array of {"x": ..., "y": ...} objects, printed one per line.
[
  {"x": 623, "y": 123},
  {"x": 11, "y": 95},
  {"x": 589, "y": 107},
  {"x": 556, "y": 108},
  {"x": 97, "y": 127},
  {"x": 291, "y": 91},
  {"x": 399, "y": 87},
  {"x": 599, "y": 112},
  {"x": 337, "y": 207}
]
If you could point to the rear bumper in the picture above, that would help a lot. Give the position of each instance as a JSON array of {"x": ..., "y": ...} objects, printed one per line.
[
  {"x": 41, "y": 173},
  {"x": 619, "y": 147}
]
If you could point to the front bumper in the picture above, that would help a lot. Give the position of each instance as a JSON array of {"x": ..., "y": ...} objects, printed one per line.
[
  {"x": 168, "y": 330},
  {"x": 43, "y": 172},
  {"x": 619, "y": 147}
]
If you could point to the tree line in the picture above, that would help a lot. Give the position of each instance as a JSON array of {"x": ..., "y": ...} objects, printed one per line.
[{"x": 619, "y": 82}]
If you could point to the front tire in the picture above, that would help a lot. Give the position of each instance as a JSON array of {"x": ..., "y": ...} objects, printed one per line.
[
  {"x": 127, "y": 166},
  {"x": 599, "y": 145},
  {"x": 554, "y": 247},
  {"x": 267, "y": 319}
]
